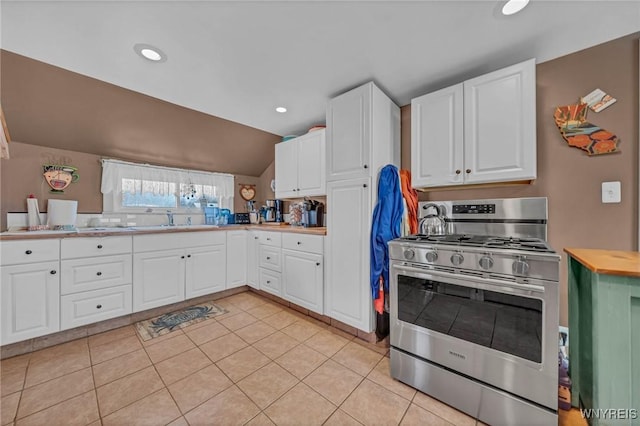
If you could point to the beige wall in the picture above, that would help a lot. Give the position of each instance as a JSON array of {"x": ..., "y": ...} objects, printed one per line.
[
  {"x": 22, "y": 175},
  {"x": 55, "y": 108},
  {"x": 567, "y": 176}
]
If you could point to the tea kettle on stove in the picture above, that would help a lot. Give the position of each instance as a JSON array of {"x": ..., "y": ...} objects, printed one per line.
[{"x": 433, "y": 224}]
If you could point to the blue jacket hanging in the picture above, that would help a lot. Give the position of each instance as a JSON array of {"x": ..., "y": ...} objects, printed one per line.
[{"x": 385, "y": 225}]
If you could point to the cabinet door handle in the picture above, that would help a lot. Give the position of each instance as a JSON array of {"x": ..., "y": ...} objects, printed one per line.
[
  {"x": 366, "y": 167},
  {"x": 299, "y": 243},
  {"x": 181, "y": 257},
  {"x": 98, "y": 273},
  {"x": 53, "y": 272},
  {"x": 317, "y": 263},
  {"x": 268, "y": 239},
  {"x": 364, "y": 185},
  {"x": 458, "y": 171},
  {"x": 188, "y": 255},
  {"x": 99, "y": 246},
  {"x": 468, "y": 170},
  {"x": 268, "y": 258},
  {"x": 99, "y": 307},
  {"x": 255, "y": 238},
  {"x": 28, "y": 252},
  {"x": 268, "y": 282}
]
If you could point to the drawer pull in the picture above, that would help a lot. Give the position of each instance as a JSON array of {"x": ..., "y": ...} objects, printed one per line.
[
  {"x": 468, "y": 170},
  {"x": 299, "y": 243},
  {"x": 317, "y": 263},
  {"x": 458, "y": 171},
  {"x": 99, "y": 307},
  {"x": 188, "y": 255},
  {"x": 268, "y": 258},
  {"x": 53, "y": 272},
  {"x": 268, "y": 239},
  {"x": 255, "y": 238},
  {"x": 98, "y": 273},
  {"x": 364, "y": 185},
  {"x": 268, "y": 282},
  {"x": 365, "y": 166},
  {"x": 99, "y": 246},
  {"x": 28, "y": 252},
  {"x": 181, "y": 257}
]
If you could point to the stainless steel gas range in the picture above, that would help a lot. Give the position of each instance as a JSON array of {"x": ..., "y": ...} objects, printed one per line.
[{"x": 474, "y": 312}]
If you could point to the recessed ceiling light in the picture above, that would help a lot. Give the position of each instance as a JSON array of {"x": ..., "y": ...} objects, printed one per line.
[
  {"x": 513, "y": 6},
  {"x": 281, "y": 109},
  {"x": 149, "y": 52}
]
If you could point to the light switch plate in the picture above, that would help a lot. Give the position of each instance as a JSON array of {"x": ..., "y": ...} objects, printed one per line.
[{"x": 611, "y": 192}]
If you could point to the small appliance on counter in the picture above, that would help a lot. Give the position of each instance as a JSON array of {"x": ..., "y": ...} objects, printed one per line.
[
  {"x": 312, "y": 213},
  {"x": 241, "y": 218},
  {"x": 211, "y": 214},
  {"x": 273, "y": 212},
  {"x": 62, "y": 214}
]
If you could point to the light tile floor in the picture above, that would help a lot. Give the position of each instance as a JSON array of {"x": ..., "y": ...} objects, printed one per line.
[{"x": 259, "y": 364}]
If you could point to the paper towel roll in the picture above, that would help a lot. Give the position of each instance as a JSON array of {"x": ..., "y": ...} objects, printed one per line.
[
  {"x": 62, "y": 213},
  {"x": 33, "y": 213}
]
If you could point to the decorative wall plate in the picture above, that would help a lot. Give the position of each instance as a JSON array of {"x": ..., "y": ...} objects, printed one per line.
[
  {"x": 247, "y": 192},
  {"x": 59, "y": 177}
]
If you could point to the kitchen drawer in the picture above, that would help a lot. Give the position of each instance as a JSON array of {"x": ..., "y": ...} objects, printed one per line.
[
  {"x": 273, "y": 239},
  {"x": 270, "y": 258},
  {"x": 93, "y": 306},
  {"x": 94, "y": 273},
  {"x": 270, "y": 281},
  {"x": 301, "y": 242},
  {"x": 29, "y": 251},
  {"x": 72, "y": 248},
  {"x": 155, "y": 242}
]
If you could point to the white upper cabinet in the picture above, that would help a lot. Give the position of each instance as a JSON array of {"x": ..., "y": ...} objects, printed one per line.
[
  {"x": 437, "y": 137},
  {"x": 300, "y": 166},
  {"x": 480, "y": 131},
  {"x": 348, "y": 131}
]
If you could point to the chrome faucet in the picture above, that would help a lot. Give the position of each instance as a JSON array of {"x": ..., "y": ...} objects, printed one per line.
[{"x": 170, "y": 216}]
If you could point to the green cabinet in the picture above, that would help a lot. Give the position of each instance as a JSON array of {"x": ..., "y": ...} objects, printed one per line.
[{"x": 604, "y": 324}]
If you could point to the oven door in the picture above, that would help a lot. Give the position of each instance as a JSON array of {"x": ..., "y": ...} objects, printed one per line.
[{"x": 498, "y": 332}]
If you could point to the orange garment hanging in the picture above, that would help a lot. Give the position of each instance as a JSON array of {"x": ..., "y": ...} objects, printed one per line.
[{"x": 410, "y": 196}]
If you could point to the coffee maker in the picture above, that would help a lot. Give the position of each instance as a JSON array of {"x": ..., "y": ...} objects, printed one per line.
[{"x": 274, "y": 211}]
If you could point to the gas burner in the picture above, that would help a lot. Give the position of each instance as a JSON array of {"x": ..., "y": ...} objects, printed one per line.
[{"x": 484, "y": 241}]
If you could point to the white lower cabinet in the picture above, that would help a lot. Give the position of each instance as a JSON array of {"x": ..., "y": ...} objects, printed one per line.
[
  {"x": 195, "y": 266},
  {"x": 205, "y": 270},
  {"x": 97, "y": 305},
  {"x": 236, "y": 258},
  {"x": 253, "y": 246},
  {"x": 95, "y": 283},
  {"x": 29, "y": 289},
  {"x": 347, "y": 290},
  {"x": 30, "y": 300},
  {"x": 270, "y": 281},
  {"x": 303, "y": 279},
  {"x": 158, "y": 278},
  {"x": 269, "y": 262}
]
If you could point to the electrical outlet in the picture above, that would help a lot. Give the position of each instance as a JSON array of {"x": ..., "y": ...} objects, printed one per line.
[{"x": 611, "y": 192}]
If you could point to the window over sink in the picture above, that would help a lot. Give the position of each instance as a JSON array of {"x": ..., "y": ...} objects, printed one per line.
[{"x": 142, "y": 188}]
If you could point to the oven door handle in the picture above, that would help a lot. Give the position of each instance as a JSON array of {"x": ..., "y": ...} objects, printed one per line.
[{"x": 484, "y": 280}]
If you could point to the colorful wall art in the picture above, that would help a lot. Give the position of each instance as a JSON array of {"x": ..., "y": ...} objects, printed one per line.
[{"x": 579, "y": 133}]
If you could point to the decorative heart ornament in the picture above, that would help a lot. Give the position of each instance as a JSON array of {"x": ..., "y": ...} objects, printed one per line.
[{"x": 247, "y": 192}]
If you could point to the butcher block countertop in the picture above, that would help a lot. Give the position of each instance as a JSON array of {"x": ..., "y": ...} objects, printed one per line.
[
  {"x": 141, "y": 230},
  {"x": 610, "y": 262}
]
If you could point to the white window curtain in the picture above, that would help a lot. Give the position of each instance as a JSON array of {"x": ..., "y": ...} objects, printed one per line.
[{"x": 114, "y": 171}]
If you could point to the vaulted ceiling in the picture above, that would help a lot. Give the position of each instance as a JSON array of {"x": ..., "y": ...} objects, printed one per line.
[{"x": 233, "y": 62}]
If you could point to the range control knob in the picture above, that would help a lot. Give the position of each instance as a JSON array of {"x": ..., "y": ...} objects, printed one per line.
[
  {"x": 520, "y": 267},
  {"x": 432, "y": 256},
  {"x": 457, "y": 259},
  {"x": 486, "y": 262},
  {"x": 409, "y": 254}
]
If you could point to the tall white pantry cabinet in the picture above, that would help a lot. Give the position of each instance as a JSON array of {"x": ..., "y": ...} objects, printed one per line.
[{"x": 363, "y": 135}]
